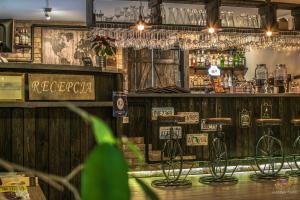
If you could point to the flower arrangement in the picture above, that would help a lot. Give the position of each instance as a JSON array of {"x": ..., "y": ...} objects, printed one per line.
[{"x": 103, "y": 45}]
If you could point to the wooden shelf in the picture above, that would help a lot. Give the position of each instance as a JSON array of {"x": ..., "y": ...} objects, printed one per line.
[
  {"x": 23, "y": 46},
  {"x": 55, "y": 104},
  {"x": 222, "y": 69}
]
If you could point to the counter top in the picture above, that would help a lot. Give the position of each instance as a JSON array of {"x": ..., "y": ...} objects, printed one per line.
[
  {"x": 186, "y": 95},
  {"x": 48, "y": 67}
]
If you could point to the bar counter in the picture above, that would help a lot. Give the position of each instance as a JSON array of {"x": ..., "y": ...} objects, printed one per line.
[{"x": 241, "y": 142}]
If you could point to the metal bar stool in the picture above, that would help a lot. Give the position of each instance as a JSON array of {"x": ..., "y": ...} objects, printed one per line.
[
  {"x": 171, "y": 153},
  {"x": 296, "y": 148},
  {"x": 218, "y": 155},
  {"x": 269, "y": 156}
]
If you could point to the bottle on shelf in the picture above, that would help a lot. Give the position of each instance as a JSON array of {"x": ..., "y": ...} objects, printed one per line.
[
  {"x": 230, "y": 59},
  {"x": 226, "y": 61},
  {"x": 207, "y": 60},
  {"x": 242, "y": 59},
  {"x": 26, "y": 37},
  {"x": 17, "y": 37},
  {"x": 202, "y": 59},
  {"x": 222, "y": 61}
]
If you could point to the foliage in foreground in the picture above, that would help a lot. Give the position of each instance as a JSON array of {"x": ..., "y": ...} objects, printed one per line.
[{"x": 105, "y": 173}]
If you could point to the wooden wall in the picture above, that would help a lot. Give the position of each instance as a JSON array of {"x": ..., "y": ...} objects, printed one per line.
[
  {"x": 48, "y": 137},
  {"x": 51, "y": 140},
  {"x": 240, "y": 142}
]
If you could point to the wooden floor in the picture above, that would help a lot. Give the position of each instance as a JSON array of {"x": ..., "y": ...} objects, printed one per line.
[{"x": 245, "y": 189}]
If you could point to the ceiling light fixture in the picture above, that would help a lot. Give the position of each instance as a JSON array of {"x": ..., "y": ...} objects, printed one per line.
[
  {"x": 269, "y": 33},
  {"x": 140, "y": 25},
  {"x": 47, "y": 11}
]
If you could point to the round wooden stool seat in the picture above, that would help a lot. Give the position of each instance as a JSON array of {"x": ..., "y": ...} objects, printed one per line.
[
  {"x": 220, "y": 120},
  {"x": 295, "y": 122},
  {"x": 269, "y": 122},
  {"x": 171, "y": 119}
]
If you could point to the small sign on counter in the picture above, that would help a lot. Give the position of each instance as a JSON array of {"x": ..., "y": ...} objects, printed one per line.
[
  {"x": 207, "y": 127},
  {"x": 200, "y": 139},
  {"x": 161, "y": 111},
  {"x": 165, "y": 132},
  {"x": 61, "y": 87}
]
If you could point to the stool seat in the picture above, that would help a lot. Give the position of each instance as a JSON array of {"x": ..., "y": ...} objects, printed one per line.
[
  {"x": 221, "y": 121},
  {"x": 296, "y": 122},
  {"x": 270, "y": 121},
  {"x": 171, "y": 119}
]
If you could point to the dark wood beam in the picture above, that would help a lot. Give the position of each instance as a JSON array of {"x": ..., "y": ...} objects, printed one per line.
[
  {"x": 296, "y": 15},
  {"x": 212, "y": 8},
  {"x": 90, "y": 17},
  {"x": 268, "y": 14},
  {"x": 154, "y": 5}
]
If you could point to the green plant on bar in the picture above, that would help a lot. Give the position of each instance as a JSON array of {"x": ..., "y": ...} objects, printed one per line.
[{"x": 105, "y": 171}]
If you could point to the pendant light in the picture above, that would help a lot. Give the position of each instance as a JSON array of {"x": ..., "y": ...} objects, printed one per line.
[{"x": 47, "y": 11}]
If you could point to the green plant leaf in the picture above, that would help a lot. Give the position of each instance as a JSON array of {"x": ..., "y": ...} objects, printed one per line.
[
  {"x": 147, "y": 190},
  {"x": 105, "y": 175},
  {"x": 102, "y": 132}
]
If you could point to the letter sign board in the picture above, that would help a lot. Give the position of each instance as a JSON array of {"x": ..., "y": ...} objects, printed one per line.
[{"x": 61, "y": 87}]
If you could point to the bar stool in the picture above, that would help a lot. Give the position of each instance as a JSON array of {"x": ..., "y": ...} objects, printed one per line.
[
  {"x": 296, "y": 148},
  {"x": 218, "y": 155},
  {"x": 171, "y": 153},
  {"x": 269, "y": 150}
]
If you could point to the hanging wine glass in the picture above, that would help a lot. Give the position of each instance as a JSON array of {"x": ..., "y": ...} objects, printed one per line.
[{"x": 171, "y": 19}]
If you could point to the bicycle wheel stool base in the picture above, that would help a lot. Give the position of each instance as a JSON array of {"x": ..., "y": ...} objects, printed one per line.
[
  {"x": 295, "y": 173},
  {"x": 264, "y": 177},
  {"x": 167, "y": 184},
  {"x": 211, "y": 180}
]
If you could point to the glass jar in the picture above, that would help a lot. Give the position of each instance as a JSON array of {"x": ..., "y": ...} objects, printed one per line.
[
  {"x": 280, "y": 77},
  {"x": 261, "y": 74}
]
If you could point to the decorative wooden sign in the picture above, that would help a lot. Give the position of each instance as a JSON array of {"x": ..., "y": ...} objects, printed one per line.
[
  {"x": 190, "y": 117},
  {"x": 197, "y": 139},
  {"x": 165, "y": 132},
  {"x": 61, "y": 87},
  {"x": 11, "y": 87},
  {"x": 245, "y": 119},
  {"x": 125, "y": 120},
  {"x": 161, "y": 111},
  {"x": 207, "y": 127}
]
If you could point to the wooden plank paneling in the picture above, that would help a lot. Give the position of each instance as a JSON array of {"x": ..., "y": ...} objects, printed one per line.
[
  {"x": 29, "y": 138},
  {"x": 17, "y": 135},
  {"x": 5, "y": 134}
]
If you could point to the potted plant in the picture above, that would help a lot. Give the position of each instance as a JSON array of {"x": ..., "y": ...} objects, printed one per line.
[{"x": 103, "y": 46}]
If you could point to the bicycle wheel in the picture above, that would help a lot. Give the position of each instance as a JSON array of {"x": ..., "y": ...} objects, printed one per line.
[
  {"x": 268, "y": 149},
  {"x": 171, "y": 158},
  {"x": 296, "y": 152},
  {"x": 218, "y": 158}
]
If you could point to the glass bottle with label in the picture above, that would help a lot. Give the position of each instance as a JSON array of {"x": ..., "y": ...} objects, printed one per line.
[
  {"x": 222, "y": 60},
  {"x": 202, "y": 59},
  {"x": 261, "y": 75},
  {"x": 226, "y": 61},
  {"x": 207, "y": 60},
  {"x": 17, "y": 37},
  {"x": 230, "y": 61}
]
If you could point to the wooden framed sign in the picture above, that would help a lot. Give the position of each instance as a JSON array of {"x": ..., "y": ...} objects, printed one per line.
[
  {"x": 12, "y": 87},
  {"x": 161, "y": 111},
  {"x": 266, "y": 110},
  {"x": 190, "y": 117},
  {"x": 61, "y": 87},
  {"x": 197, "y": 139},
  {"x": 207, "y": 127},
  {"x": 165, "y": 132},
  {"x": 245, "y": 118}
]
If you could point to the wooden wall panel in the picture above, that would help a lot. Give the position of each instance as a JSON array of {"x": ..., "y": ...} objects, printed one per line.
[{"x": 241, "y": 143}]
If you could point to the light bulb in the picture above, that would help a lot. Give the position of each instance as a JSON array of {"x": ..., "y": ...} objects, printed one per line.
[
  {"x": 211, "y": 30},
  {"x": 47, "y": 17},
  {"x": 269, "y": 33},
  {"x": 141, "y": 27}
]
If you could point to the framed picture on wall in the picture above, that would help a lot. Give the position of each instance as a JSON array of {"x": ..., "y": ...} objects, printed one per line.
[{"x": 12, "y": 87}]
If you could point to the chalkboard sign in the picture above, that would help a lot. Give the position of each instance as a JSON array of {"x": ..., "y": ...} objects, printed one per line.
[{"x": 120, "y": 104}]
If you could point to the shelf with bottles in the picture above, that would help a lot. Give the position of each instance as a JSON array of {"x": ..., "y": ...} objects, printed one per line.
[
  {"x": 226, "y": 60},
  {"x": 22, "y": 38}
]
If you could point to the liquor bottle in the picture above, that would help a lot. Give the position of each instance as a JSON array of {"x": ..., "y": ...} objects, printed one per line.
[
  {"x": 242, "y": 60},
  {"x": 207, "y": 60},
  {"x": 193, "y": 60},
  {"x": 236, "y": 59},
  {"x": 218, "y": 60},
  {"x": 230, "y": 61},
  {"x": 226, "y": 61},
  {"x": 26, "y": 37},
  {"x": 225, "y": 80},
  {"x": 22, "y": 37},
  {"x": 198, "y": 58},
  {"x": 202, "y": 59},
  {"x": 222, "y": 59},
  {"x": 17, "y": 37}
]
